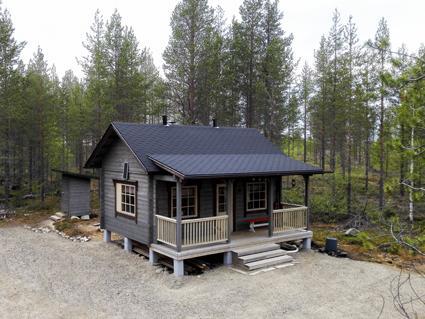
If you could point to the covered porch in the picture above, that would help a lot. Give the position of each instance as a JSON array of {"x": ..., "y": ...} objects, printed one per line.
[
  {"x": 210, "y": 204},
  {"x": 197, "y": 232},
  {"x": 183, "y": 238}
]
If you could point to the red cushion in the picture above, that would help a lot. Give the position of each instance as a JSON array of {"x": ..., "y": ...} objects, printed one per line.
[{"x": 256, "y": 219}]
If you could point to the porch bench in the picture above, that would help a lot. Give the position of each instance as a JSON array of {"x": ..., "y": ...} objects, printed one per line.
[{"x": 256, "y": 222}]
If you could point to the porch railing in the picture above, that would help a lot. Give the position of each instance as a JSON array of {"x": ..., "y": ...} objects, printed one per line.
[
  {"x": 197, "y": 231},
  {"x": 290, "y": 217},
  {"x": 166, "y": 230}
]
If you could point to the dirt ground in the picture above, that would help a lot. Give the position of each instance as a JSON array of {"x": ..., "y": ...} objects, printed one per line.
[{"x": 46, "y": 276}]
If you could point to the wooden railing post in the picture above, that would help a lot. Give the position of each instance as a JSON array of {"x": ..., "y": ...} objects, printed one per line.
[{"x": 179, "y": 215}]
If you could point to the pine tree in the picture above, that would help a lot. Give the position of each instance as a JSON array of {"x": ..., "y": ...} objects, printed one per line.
[
  {"x": 191, "y": 28},
  {"x": 306, "y": 90},
  {"x": 95, "y": 70},
  {"x": 10, "y": 83},
  {"x": 352, "y": 56},
  {"x": 382, "y": 44},
  {"x": 250, "y": 48}
]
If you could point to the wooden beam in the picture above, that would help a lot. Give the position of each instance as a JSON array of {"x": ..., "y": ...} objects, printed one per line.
[
  {"x": 179, "y": 215},
  {"x": 165, "y": 178}
]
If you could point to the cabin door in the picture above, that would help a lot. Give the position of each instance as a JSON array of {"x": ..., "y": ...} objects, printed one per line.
[{"x": 221, "y": 204}]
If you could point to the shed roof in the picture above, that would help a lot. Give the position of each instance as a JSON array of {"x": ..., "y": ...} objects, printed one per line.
[
  {"x": 75, "y": 175},
  {"x": 200, "y": 151}
]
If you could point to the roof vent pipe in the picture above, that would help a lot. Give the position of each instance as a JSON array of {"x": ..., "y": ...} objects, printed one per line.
[
  {"x": 164, "y": 120},
  {"x": 214, "y": 122}
]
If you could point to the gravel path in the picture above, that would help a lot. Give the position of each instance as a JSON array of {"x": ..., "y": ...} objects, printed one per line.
[{"x": 45, "y": 276}]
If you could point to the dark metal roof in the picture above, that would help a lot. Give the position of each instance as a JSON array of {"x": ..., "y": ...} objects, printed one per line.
[
  {"x": 200, "y": 150},
  {"x": 231, "y": 165}
]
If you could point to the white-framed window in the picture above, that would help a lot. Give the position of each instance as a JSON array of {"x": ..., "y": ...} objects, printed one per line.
[
  {"x": 189, "y": 201},
  {"x": 256, "y": 196},
  {"x": 221, "y": 199},
  {"x": 125, "y": 199}
]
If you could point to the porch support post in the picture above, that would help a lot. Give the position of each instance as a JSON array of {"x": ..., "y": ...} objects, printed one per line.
[
  {"x": 270, "y": 200},
  {"x": 155, "y": 221},
  {"x": 178, "y": 268},
  {"x": 229, "y": 208},
  {"x": 106, "y": 236},
  {"x": 178, "y": 215},
  {"x": 153, "y": 257},
  {"x": 128, "y": 245},
  {"x": 306, "y": 199}
]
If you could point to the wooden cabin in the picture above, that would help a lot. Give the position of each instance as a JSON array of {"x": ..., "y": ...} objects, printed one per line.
[{"x": 190, "y": 191}]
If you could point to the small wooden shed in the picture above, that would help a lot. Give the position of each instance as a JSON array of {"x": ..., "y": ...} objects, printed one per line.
[{"x": 75, "y": 193}]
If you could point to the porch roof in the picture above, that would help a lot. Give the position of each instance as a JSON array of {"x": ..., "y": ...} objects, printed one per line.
[{"x": 231, "y": 165}]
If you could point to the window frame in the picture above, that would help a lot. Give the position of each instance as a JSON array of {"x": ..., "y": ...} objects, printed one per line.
[
  {"x": 118, "y": 211},
  {"x": 217, "y": 204},
  {"x": 173, "y": 191},
  {"x": 247, "y": 190}
]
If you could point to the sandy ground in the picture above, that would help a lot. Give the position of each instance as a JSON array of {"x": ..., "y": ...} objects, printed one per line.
[{"x": 45, "y": 276}]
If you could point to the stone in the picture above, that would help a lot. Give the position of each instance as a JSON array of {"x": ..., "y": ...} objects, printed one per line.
[
  {"x": 85, "y": 217},
  {"x": 352, "y": 232},
  {"x": 74, "y": 217},
  {"x": 55, "y": 218},
  {"x": 60, "y": 214}
]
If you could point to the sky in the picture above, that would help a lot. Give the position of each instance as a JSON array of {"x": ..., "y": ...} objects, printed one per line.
[{"x": 59, "y": 27}]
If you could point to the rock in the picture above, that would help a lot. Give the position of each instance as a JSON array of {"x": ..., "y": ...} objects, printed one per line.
[
  {"x": 60, "y": 214},
  {"x": 74, "y": 217},
  {"x": 352, "y": 232},
  {"x": 159, "y": 270},
  {"x": 85, "y": 217},
  {"x": 55, "y": 218}
]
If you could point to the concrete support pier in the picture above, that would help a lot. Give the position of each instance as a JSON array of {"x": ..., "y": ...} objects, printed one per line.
[
  {"x": 106, "y": 236},
  {"x": 153, "y": 257},
  {"x": 128, "y": 245},
  {"x": 178, "y": 268},
  {"x": 307, "y": 244},
  {"x": 227, "y": 258}
]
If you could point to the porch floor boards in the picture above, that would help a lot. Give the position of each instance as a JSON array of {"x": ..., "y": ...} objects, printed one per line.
[{"x": 239, "y": 239}]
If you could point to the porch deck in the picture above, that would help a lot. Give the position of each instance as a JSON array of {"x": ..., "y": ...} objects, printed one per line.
[{"x": 238, "y": 240}]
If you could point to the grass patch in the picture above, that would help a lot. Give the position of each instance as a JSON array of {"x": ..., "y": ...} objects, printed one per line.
[
  {"x": 69, "y": 227},
  {"x": 369, "y": 245},
  {"x": 32, "y": 212}
]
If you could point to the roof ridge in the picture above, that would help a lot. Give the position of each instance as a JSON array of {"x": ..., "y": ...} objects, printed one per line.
[{"x": 184, "y": 125}]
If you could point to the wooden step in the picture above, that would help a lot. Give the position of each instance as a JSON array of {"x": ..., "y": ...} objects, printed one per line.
[
  {"x": 255, "y": 249},
  {"x": 269, "y": 262},
  {"x": 260, "y": 256}
]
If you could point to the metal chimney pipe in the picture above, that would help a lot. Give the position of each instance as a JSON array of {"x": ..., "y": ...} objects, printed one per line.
[{"x": 164, "y": 120}]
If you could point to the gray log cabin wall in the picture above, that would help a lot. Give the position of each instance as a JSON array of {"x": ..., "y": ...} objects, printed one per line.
[{"x": 112, "y": 168}]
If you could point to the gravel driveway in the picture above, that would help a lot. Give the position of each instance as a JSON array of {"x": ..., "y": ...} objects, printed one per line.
[{"x": 45, "y": 276}]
